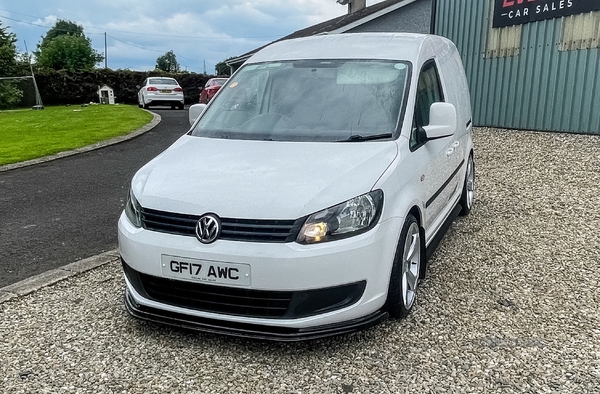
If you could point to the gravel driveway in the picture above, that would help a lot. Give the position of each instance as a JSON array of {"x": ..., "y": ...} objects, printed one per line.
[{"x": 510, "y": 305}]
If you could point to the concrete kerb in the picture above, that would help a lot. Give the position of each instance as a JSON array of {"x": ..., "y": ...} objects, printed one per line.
[
  {"x": 51, "y": 277},
  {"x": 155, "y": 121},
  {"x": 48, "y": 278}
]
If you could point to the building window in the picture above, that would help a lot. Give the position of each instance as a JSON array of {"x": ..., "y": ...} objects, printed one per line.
[
  {"x": 580, "y": 32},
  {"x": 502, "y": 41}
]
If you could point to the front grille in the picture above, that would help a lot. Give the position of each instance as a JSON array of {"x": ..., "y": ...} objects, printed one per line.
[
  {"x": 220, "y": 299},
  {"x": 260, "y": 230},
  {"x": 244, "y": 302},
  {"x": 249, "y": 230},
  {"x": 167, "y": 222}
]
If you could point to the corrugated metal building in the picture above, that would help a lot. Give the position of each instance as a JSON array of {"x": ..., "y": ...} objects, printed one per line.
[{"x": 529, "y": 66}]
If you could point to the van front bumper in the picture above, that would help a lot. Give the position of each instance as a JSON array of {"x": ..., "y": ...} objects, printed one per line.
[
  {"x": 331, "y": 288},
  {"x": 247, "y": 330}
]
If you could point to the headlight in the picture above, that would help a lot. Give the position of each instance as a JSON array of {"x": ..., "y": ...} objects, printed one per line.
[
  {"x": 344, "y": 220},
  {"x": 133, "y": 210}
]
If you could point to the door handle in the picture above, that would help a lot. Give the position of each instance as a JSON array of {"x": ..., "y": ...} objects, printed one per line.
[
  {"x": 456, "y": 144},
  {"x": 449, "y": 152}
]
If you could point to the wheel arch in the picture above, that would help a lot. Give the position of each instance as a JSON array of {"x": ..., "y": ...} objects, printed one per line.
[
  {"x": 416, "y": 212},
  {"x": 394, "y": 287}
]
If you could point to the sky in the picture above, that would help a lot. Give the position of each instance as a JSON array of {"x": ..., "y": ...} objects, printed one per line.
[{"x": 201, "y": 33}]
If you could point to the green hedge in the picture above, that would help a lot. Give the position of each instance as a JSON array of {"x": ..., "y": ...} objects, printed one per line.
[{"x": 63, "y": 87}]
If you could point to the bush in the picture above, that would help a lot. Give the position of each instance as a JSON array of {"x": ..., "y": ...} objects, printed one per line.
[
  {"x": 63, "y": 87},
  {"x": 10, "y": 94}
]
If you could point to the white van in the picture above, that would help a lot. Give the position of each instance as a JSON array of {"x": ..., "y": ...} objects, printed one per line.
[{"x": 306, "y": 197}]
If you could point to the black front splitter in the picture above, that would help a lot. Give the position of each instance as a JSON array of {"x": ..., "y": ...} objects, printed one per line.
[{"x": 244, "y": 330}]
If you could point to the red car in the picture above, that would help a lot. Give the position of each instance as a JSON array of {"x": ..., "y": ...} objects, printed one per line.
[{"x": 211, "y": 88}]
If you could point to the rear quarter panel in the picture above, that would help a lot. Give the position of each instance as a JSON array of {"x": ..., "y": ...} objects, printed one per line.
[{"x": 456, "y": 90}]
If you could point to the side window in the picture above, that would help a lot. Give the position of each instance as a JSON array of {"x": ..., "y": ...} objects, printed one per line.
[{"x": 429, "y": 91}]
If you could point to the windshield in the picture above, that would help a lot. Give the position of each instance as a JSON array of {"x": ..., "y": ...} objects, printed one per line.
[
  {"x": 162, "y": 81},
  {"x": 309, "y": 100}
]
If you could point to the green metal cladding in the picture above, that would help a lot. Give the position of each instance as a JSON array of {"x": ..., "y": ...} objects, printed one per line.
[{"x": 545, "y": 83}]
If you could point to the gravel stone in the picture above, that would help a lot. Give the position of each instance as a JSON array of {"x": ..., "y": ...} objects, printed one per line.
[{"x": 510, "y": 304}]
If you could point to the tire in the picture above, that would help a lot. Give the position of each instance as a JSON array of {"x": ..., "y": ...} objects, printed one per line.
[
  {"x": 408, "y": 262},
  {"x": 146, "y": 106},
  {"x": 468, "y": 191}
]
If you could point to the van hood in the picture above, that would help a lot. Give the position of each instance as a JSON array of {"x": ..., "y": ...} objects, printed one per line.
[{"x": 259, "y": 179}]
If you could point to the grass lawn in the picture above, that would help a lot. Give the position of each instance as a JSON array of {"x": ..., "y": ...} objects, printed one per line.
[{"x": 29, "y": 134}]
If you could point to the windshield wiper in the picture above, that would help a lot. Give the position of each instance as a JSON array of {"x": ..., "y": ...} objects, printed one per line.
[{"x": 359, "y": 138}]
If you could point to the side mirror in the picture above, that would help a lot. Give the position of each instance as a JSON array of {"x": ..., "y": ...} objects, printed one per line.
[
  {"x": 195, "y": 112},
  {"x": 138, "y": 87},
  {"x": 442, "y": 121}
]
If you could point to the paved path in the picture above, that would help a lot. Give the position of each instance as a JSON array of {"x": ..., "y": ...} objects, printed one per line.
[{"x": 65, "y": 210}]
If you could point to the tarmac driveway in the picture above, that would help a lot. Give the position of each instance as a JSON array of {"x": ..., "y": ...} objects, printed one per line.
[
  {"x": 511, "y": 304},
  {"x": 65, "y": 210}
]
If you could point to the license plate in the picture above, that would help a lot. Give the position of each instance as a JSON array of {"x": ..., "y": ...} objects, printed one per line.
[
  {"x": 205, "y": 271},
  {"x": 165, "y": 91}
]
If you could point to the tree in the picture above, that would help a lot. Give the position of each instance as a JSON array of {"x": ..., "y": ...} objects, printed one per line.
[
  {"x": 10, "y": 95},
  {"x": 222, "y": 68},
  {"x": 60, "y": 28},
  {"x": 168, "y": 63},
  {"x": 8, "y": 52},
  {"x": 65, "y": 47},
  {"x": 72, "y": 53}
]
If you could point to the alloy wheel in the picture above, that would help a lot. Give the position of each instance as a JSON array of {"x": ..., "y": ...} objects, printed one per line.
[
  {"x": 470, "y": 182},
  {"x": 411, "y": 261}
]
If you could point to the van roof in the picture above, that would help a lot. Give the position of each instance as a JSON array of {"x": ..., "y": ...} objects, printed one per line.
[{"x": 385, "y": 46}]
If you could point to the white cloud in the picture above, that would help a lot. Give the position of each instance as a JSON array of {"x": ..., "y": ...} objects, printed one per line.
[{"x": 197, "y": 31}]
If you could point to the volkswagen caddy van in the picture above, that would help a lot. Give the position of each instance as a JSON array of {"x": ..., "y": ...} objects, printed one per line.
[{"x": 308, "y": 194}]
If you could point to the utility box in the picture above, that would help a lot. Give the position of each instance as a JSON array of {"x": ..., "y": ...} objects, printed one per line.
[{"x": 106, "y": 95}]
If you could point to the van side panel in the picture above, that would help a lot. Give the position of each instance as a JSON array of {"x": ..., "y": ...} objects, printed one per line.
[{"x": 453, "y": 77}]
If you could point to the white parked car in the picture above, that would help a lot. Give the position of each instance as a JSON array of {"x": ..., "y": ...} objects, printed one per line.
[
  {"x": 160, "y": 91},
  {"x": 308, "y": 194}
]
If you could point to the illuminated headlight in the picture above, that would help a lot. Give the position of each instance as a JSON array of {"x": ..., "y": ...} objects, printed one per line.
[
  {"x": 133, "y": 210},
  {"x": 344, "y": 220}
]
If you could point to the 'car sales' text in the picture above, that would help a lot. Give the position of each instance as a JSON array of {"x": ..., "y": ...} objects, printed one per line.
[{"x": 539, "y": 9}]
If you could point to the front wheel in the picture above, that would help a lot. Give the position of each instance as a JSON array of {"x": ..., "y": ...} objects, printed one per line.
[
  {"x": 402, "y": 291},
  {"x": 468, "y": 192}
]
